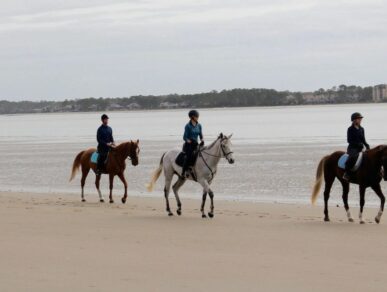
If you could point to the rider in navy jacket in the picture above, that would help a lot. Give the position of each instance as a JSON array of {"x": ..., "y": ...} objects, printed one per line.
[
  {"x": 356, "y": 143},
  {"x": 105, "y": 142}
]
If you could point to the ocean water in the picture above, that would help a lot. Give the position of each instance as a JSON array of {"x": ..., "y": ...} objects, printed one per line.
[{"x": 277, "y": 149}]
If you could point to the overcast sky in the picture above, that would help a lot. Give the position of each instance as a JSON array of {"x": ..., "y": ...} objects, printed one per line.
[{"x": 56, "y": 49}]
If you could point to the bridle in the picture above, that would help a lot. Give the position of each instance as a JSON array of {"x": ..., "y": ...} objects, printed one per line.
[
  {"x": 217, "y": 156},
  {"x": 221, "y": 147}
]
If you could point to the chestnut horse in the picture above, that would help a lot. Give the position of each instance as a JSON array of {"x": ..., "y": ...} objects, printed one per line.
[
  {"x": 369, "y": 174},
  {"x": 115, "y": 166}
]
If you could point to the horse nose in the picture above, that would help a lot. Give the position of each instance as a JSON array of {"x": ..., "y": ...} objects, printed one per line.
[{"x": 232, "y": 161}]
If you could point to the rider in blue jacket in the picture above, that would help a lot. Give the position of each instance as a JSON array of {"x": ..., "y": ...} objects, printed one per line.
[
  {"x": 356, "y": 143},
  {"x": 192, "y": 133}
]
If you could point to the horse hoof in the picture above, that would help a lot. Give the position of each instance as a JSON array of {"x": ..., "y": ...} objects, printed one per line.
[
  {"x": 123, "y": 201},
  {"x": 362, "y": 222},
  {"x": 170, "y": 214},
  {"x": 102, "y": 201},
  {"x": 377, "y": 220},
  {"x": 326, "y": 219},
  {"x": 204, "y": 216},
  {"x": 111, "y": 201},
  {"x": 211, "y": 215},
  {"x": 83, "y": 200},
  {"x": 178, "y": 212},
  {"x": 351, "y": 220}
]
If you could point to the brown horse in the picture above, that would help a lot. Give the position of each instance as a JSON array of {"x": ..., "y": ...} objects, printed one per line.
[
  {"x": 369, "y": 174},
  {"x": 115, "y": 166}
]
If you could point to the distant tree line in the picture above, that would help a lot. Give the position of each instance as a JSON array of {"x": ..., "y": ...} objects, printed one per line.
[{"x": 225, "y": 98}]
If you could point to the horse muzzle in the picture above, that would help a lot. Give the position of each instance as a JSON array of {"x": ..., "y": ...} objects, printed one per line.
[{"x": 231, "y": 161}]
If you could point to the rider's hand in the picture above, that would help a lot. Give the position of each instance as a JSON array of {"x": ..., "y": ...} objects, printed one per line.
[
  {"x": 202, "y": 143},
  {"x": 189, "y": 141}
]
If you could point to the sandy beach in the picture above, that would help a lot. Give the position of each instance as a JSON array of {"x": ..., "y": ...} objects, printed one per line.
[{"x": 56, "y": 243}]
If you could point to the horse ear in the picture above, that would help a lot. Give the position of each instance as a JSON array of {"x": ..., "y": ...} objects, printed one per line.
[
  {"x": 221, "y": 136},
  {"x": 229, "y": 137},
  {"x": 138, "y": 141}
]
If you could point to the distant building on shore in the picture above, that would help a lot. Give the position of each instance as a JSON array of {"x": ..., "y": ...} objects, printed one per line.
[{"x": 379, "y": 93}]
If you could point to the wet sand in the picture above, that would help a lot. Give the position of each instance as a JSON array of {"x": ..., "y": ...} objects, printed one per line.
[{"x": 53, "y": 242}]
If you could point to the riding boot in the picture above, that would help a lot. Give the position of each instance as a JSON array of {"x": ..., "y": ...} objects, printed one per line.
[
  {"x": 346, "y": 176},
  {"x": 185, "y": 167}
]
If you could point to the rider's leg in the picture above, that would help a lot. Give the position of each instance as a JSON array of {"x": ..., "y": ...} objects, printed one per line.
[
  {"x": 353, "y": 155},
  {"x": 188, "y": 149}
]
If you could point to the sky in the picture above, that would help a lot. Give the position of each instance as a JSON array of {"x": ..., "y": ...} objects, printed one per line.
[{"x": 58, "y": 49}]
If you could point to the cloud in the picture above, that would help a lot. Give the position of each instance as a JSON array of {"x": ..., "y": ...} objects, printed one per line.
[{"x": 57, "y": 50}]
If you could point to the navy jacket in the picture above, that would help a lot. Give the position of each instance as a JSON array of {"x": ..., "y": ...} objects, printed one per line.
[
  {"x": 104, "y": 136},
  {"x": 356, "y": 138},
  {"x": 192, "y": 132}
]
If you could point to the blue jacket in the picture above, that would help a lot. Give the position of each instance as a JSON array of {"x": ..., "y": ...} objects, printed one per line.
[
  {"x": 104, "y": 136},
  {"x": 356, "y": 138},
  {"x": 192, "y": 132}
]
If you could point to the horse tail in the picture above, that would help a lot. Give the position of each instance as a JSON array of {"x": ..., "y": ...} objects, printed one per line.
[
  {"x": 76, "y": 165},
  {"x": 319, "y": 179},
  {"x": 155, "y": 176}
]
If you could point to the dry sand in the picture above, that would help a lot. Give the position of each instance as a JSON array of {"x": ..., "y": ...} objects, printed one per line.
[{"x": 56, "y": 243}]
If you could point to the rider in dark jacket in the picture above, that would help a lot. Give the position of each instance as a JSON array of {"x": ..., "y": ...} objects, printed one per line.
[
  {"x": 105, "y": 142},
  {"x": 356, "y": 142},
  {"x": 192, "y": 133}
]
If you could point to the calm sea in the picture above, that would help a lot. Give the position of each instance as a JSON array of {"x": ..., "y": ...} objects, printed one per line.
[{"x": 277, "y": 149}]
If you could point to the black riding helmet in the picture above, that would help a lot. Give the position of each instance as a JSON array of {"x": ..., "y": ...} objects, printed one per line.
[
  {"x": 103, "y": 117},
  {"x": 193, "y": 113},
  {"x": 355, "y": 116}
]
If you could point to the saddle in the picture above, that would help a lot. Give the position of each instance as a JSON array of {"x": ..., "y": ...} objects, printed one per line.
[
  {"x": 182, "y": 156},
  {"x": 343, "y": 160}
]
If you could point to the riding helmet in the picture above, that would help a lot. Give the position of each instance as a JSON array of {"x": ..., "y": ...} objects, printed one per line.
[
  {"x": 355, "y": 116},
  {"x": 193, "y": 113},
  {"x": 103, "y": 117}
]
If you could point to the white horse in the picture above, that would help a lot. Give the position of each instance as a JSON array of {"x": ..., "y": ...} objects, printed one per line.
[{"x": 204, "y": 171}]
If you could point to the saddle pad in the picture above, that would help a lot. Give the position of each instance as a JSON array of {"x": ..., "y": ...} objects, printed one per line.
[
  {"x": 343, "y": 160},
  {"x": 94, "y": 157}
]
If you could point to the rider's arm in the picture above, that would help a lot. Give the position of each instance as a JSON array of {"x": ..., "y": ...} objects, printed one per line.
[{"x": 364, "y": 140}]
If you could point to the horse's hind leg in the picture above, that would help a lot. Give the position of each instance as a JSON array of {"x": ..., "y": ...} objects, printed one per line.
[
  {"x": 97, "y": 181},
  {"x": 85, "y": 172},
  {"x": 362, "y": 190},
  {"x": 379, "y": 192},
  {"x": 345, "y": 199},
  {"x": 178, "y": 184},
  {"x": 328, "y": 186},
  {"x": 111, "y": 179},
  {"x": 206, "y": 190}
]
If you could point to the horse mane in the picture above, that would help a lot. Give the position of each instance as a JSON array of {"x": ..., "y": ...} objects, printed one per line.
[
  {"x": 211, "y": 145},
  {"x": 377, "y": 149}
]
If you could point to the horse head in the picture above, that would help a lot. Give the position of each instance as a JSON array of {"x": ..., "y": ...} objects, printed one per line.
[
  {"x": 225, "y": 146},
  {"x": 134, "y": 152}
]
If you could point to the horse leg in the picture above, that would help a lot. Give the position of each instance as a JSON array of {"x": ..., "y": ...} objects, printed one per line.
[
  {"x": 211, "y": 213},
  {"x": 111, "y": 179},
  {"x": 362, "y": 190},
  {"x": 379, "y": 192},
  {"x": 85, "y": 172},
  {"x": 178, "y": 184},
  {"x": 345, "y": 199},
  {"x": 327, "y": 190},
  {"x": 97, "y": 181},
  {"x": 167, "y": 189},
  {"x": 203, "y": 204},
  {"x": 206, "y": 190},
  {"x": 122, "y": 178}
]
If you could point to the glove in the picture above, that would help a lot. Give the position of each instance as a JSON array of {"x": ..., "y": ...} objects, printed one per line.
[{"x": 201, "y": 143}]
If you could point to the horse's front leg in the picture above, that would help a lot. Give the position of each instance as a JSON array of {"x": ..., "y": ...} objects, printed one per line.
[
  {"x": 206, "y": 190},
  {"x": 122, "y": 178},
  {"x": 379, "y": 192},
  {"x": 211, "y": 213},
  {"x": 111, "y": 179}
]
